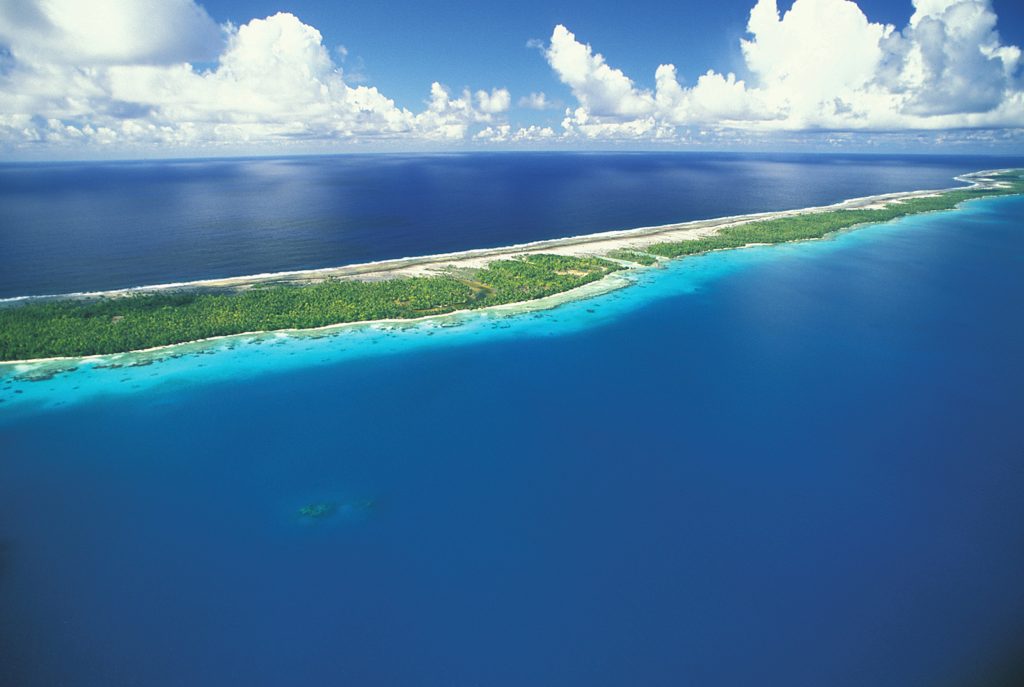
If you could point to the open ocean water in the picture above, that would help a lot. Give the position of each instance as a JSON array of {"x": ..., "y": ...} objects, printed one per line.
[
  {"x": 86, "y": 227},
  {"x": 798, "y": 465}
]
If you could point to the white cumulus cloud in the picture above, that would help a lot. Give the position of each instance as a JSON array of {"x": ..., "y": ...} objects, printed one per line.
[
  {"x": 495, "y": 102},
  {"x": 89, "y": 32},
  {"x": 504, "y": 133},
  {"x": 122, "y": 73},
  {"x": 153, "y": 74},
  {"x": 821, "y": 65},
  {"x": 602, "y": 90},
  {"x": 537, "y": 101}
]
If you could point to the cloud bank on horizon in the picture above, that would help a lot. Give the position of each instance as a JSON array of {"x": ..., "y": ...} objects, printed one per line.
[
  {"x": 821, "y": 65},
  {"x": 123, "y": 74}
]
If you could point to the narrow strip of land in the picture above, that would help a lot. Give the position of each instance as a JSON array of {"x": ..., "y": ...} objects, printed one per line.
[{"x": 125, "y": 320}]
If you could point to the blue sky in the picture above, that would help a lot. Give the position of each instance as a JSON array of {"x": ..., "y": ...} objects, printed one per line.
[
  {"x": 404, "y": 45},
  {"x": 153, "y": 77}
]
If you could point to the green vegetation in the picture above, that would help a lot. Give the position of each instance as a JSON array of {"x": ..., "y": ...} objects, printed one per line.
[
  {"x": 816, "y": 225},
  {"x": 74, "y": 327},
  {"x": 645, "y": 259}
]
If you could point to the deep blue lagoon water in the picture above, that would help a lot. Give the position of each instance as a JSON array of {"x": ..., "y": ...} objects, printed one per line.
[
  {"x": 799, "y": 465},
  {"x": 92, "y": 226}
]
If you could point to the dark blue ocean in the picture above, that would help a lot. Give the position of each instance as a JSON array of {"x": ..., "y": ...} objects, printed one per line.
[
  {"x": 799, "y": 465},
  {"x": 87, "y": 227}
]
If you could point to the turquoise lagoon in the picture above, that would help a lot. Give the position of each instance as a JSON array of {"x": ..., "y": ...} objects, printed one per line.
[{"x": 795, "y": 465}]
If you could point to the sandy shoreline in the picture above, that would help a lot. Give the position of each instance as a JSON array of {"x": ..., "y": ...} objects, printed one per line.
[
  {"x": 144, "y": 356},
  {"x": 597, "y": 244},
  {"x": 588, "y": 245}
]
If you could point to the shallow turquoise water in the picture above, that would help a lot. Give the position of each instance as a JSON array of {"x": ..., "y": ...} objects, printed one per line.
[{"x": 794, "y": 465}]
